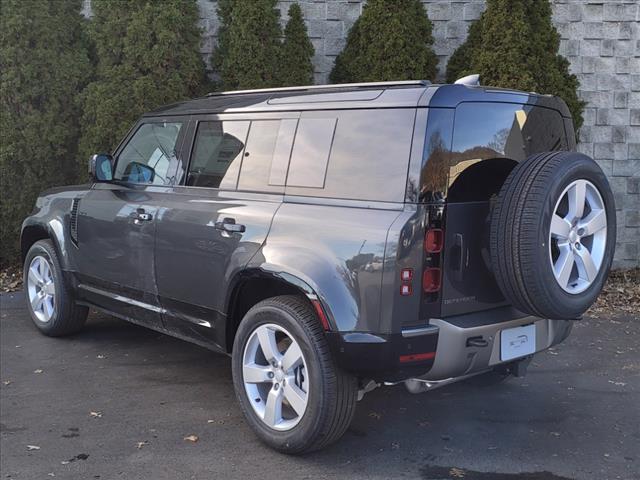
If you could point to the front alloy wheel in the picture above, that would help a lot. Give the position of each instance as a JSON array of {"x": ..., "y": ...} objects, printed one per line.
[
  {"x": 50, "y": 300},
  {"x": 41, "y": 289}
]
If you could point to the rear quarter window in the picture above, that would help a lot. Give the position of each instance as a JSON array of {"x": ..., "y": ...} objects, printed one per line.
[{"x": 356, "y": 154}]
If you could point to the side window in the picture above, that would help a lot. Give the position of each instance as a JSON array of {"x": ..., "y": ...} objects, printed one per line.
[
  {"x": 352, "y": 154},
  {"x": 264, "y": 165},
  {"x": 217, "y": 154},
  {"x": 311, "y": 152},
  {"x": 150, "y": 156}
]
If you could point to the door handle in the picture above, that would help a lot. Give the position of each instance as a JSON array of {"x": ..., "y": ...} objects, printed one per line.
[
  {"x": 141, "y": 216},
  {"x": 459, "y": 243},
  {"x": 230, "y": 225}
]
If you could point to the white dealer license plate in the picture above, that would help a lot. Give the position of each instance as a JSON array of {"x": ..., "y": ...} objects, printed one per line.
[{"x": 517, "y": 342}]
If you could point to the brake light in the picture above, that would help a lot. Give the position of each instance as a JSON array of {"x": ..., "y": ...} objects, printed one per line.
[
  {"x": 433, "y": 240},
  {"x": 431, "y": 280}
]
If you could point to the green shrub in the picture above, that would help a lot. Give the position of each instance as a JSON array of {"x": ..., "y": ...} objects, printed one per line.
[
  {"x": 248, "y": 52},
  {"x": 515, "y": 45},
  {"x": 43, "y": 64},
  {"x": 147, "y": 56},
  {"x": 391, "y": 40},
  {"x": 296, "y": 51}
]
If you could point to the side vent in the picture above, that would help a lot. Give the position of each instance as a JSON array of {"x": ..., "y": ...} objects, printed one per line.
[{"x": 73, "y": 223}]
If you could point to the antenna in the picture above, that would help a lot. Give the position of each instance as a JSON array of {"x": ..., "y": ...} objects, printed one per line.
[{"x": 470, "y": 80}]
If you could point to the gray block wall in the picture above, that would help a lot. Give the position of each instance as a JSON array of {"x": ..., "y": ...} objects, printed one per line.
[{"x": 601, "y": 39}]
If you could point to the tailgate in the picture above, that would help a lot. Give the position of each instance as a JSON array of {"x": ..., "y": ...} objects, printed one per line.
[{"x": 468, "y": 284}]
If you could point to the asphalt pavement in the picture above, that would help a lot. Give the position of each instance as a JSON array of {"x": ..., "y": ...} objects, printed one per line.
[{"x": 118, "y": 401}]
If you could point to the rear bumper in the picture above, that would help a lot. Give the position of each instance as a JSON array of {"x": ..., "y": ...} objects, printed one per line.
[
  {"x": 439, "y": 351},
  {"x": 455, "y": 358},
  {"x": 378, "y": 356}
]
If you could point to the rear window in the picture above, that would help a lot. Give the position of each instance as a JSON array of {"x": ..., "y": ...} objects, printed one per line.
[
  {"x": 216, "y": 154},
  {"x": 490, "y": 130},
  {"x": 357, "y": 154}
]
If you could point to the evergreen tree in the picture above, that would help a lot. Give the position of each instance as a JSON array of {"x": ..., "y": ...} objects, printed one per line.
[
  {"x": 392, "y": 40},
  {"x": 296, "y": 52},
  {"x": 147, "y": 56},
  {"x": 224, "y": 11},
  {"x": 249, "y": 53},
  {"x": 44, "y": 62},
  {"x": 461, "y": 58},
  {"x": 515, "y": 45}
]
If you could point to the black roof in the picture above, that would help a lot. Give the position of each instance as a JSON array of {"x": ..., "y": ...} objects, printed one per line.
[{"x": 357, "y": 95}]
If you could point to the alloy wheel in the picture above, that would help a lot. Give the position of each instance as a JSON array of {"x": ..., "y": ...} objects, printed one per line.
[
  {"x": 578, "y": 236},
  {"x": 41, "y": 288},
  {"x": 274, "y": 373}
]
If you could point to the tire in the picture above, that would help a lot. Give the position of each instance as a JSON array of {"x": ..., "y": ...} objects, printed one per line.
[
  {"x": 330, "y": 393},
  {"x": 57, "y": 313},
  {"x": 527, "y": 254}
]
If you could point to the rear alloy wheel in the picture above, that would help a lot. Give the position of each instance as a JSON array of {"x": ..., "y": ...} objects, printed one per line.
[
  {"x": 274, "y": 372},
  {"x": 292, "y": 395},
  {"x": 553, "y": 230}
]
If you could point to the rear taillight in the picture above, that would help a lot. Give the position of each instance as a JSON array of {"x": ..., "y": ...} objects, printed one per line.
[
  {"x": 431, "y": 280},
  {"x": 433, "y": 240}
]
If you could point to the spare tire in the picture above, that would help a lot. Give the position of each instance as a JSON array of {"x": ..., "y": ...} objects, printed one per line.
[{"x": 553, "y": 233}]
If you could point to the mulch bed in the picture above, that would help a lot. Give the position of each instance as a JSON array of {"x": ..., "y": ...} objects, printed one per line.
[{"x": 621, "y": 294}]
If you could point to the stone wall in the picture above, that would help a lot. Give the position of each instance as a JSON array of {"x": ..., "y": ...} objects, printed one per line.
[{"x": 601, "y": 39}]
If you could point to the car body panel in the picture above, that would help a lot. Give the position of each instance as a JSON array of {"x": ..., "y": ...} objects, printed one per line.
[{"x": 196, "y": 262}]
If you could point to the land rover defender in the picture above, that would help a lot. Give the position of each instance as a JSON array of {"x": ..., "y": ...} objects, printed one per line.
[{"x": 332, "y": 239}]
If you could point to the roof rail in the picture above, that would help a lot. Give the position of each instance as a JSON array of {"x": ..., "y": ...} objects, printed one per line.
[{"x": 401, "y": 83}]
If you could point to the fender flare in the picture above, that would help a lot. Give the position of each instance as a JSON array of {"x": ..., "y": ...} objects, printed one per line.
[{"x": 305, "y": 287}]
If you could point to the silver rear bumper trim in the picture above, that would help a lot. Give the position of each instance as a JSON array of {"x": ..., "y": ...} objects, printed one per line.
[{"x": 456, "y": 358}]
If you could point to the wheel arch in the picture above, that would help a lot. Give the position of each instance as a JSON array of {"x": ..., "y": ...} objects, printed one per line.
[
  {"x": 31, "y": 233},
  {"x": 254, "y": 285}
]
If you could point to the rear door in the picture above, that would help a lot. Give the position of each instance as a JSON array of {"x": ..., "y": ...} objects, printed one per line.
[
  {"x": 218, "y": 218},
  {"x": 117, "y": 222}
]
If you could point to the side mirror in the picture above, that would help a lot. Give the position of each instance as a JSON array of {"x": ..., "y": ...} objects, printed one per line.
[{"x": 101, "y": 167}]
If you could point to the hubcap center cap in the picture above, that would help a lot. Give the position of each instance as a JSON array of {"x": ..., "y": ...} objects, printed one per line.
[
  {"x": 279, "y": 375},
  {"x": 573, "y": 236}
]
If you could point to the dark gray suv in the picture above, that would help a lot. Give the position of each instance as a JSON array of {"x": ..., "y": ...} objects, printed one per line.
[{"x": 332, "y": 239}]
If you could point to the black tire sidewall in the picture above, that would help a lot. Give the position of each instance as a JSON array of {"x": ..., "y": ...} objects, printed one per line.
[
  {"x": 576, "y": 167},
  {"x": 45, "y": 249},
  {"x": 305, "y": 430}
]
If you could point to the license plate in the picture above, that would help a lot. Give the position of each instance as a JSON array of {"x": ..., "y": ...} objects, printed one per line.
[{"x": 517, "y": 342}]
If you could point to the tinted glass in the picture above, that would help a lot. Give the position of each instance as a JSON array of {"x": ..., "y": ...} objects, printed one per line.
[
  {"x": 495, "y": 130},
  {"x": 267, "y": 150},
  {"x": 282, "y": 152},
  {"x": 368, "y": 159},
  {"x": 150, "y": 155},
  {"x": 217, "y": 154},
  {"x": 489, "y": 130},
  {"x": 311, "y": 152}
]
